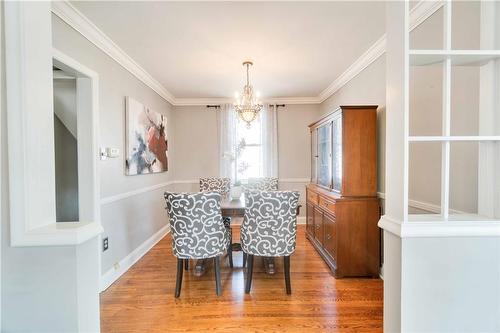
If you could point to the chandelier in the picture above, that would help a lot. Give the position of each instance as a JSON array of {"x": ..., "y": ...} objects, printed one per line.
[{"x": 247, "y": 106}]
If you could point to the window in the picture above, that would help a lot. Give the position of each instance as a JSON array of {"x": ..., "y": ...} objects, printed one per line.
[{"x": 248, "y": 152}]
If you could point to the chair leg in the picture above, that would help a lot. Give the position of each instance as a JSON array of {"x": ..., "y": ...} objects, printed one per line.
[
  {"x": 244, "y": 259},
  {"x": 230, "y": 254},
  {"x": 217, "y": 276},
  {"x": 286, "y": 260},
  {"x": 249, "y": 274},
  {"x": 178, "y": 281},
  {"x": 186, "y": 264}
]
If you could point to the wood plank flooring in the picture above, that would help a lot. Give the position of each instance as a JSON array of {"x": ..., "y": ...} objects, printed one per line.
[{"x": 142, "y": 300}]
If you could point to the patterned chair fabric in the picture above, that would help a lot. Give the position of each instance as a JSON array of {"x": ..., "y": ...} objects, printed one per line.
[
  {"x": 219, "y": 185},
  {"x": 262, "y": 184},
  {"x": 269, "y": 227},
  {"x": 215, "y": 184},
  {"x": 196, "y": 224}
]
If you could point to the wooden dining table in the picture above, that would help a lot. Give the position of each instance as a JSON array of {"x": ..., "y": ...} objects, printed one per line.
[{"x": 236, "y": 208}]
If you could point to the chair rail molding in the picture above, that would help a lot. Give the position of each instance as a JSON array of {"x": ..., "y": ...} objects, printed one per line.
[
  {"x": 78, "y": 21},
  {"x": 121, "y": 196}
]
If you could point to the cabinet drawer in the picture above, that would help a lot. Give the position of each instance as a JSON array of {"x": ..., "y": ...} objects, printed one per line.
[
  {"x": 312, "y": 197},
  {"x": 327, "y": 204}
]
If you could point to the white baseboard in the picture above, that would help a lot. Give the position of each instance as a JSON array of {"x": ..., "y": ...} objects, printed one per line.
[
  {"x": 301, "y": 220},
  {"x": 108, "y": 278}
]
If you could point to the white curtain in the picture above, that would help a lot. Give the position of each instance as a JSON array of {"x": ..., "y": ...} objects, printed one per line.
[
  {"x": 270, "y": 140},
  {"x": 227, "y": 140}
]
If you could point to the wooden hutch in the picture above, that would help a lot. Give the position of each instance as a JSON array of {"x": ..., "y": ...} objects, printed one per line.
[{"x": 342, "y": 205}]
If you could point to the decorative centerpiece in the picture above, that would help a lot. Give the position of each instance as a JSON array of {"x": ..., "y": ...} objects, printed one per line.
[{"x": 236, "y": 191}]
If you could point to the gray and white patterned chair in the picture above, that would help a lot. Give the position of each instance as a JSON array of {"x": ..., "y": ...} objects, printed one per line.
[
  {"x": 197, "y": 230},
  {"x": 262, "y": 184},
  {"x": 216, "y": 184},
  {"x": 269, "y": 228},
  {"x": 222, "y": 186}
]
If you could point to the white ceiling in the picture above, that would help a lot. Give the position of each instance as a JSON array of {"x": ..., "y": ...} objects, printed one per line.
[{"x": 195, "y": 49}]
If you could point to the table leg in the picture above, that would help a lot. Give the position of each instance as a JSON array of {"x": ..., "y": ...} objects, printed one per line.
[
  {"x": 269, "y": 265},
  {"x": 201, "y": 267}
]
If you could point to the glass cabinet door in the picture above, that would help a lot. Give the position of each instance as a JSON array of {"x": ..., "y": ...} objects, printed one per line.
[
  {"x": 325, "y": 155},
  {"x": 337, "y": 153},
  {"x": 314, "y": 156}
]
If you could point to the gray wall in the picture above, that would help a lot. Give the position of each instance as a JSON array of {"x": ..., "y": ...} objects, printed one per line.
[
  {"x": 130, "y": 221},
  {"x": 66, "y": 153}
]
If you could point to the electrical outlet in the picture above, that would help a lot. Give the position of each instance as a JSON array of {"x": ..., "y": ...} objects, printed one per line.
[{"x": 105, "y": 244}]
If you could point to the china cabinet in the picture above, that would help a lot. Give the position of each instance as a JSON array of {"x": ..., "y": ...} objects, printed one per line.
[{"x": 342, "y": 204}]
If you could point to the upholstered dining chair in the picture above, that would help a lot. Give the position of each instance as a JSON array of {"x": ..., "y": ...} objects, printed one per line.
[
  {"x": 269, "y": 229},
  {"x": 197, "y": 231},
  {"x": 222, "y": 186},
  {"x": 262, "y": 184}
]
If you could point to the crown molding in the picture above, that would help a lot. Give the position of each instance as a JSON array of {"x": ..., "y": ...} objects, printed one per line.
[
  {"x": 275, "y": 100},
  {"x": 422, "y": 11},
  {"x": 366, "y": 59},
  {"x": 418, "y": 14},
  {"x": 75, "y": 19}
]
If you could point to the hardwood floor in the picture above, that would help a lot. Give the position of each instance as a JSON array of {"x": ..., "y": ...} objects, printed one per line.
[{"x": 142, "y": 300}]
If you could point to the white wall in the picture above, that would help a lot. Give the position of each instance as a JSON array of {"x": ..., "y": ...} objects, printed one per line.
[
  {"x": 451, "y": 284},
  {"x": 128, "y": 220}
]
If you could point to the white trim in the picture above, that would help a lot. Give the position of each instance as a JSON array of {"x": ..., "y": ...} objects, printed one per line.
[
  {"x": 301, "y": 220},
  {"x": 113, "y": 274},
  {"x": 390, "y": 224},
  {"x": 422, "y": 11},
  {"x": 202, "y": 101},
  {"x": 447, "y": 138},
  {"x": 294, "y": 180},
  {"x": 75, "y": 19},
  {"x": 121, "y": 196},
  {"x": 440, "y": 228},
  {"x": 366, "y": 59},
  {"x": 429, "y": 207}
]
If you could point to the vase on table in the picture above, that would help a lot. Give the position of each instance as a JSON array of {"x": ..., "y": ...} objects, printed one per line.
[{"x": 236, "y": 192}]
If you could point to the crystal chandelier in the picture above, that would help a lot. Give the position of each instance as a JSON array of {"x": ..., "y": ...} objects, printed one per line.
[{"x": 247, "y": 106}]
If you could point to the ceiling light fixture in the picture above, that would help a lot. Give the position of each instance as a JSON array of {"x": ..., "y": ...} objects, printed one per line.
[{"x": 247, "y": 106}]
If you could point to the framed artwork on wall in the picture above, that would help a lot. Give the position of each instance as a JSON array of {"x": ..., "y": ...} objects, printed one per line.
[{"x": 146, "y": 139}]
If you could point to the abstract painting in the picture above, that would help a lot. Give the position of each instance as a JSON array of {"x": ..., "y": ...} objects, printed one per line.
[{"x": 146, "y": 139}]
